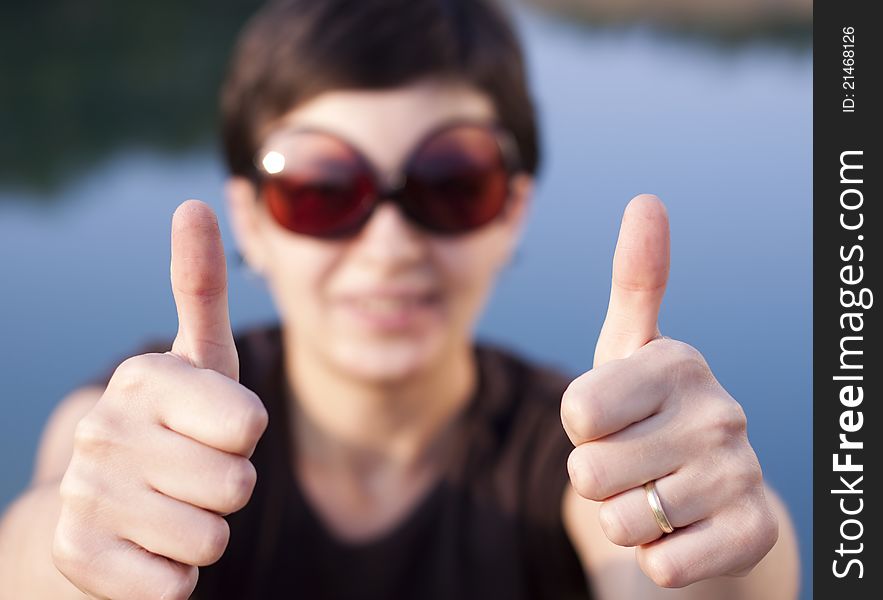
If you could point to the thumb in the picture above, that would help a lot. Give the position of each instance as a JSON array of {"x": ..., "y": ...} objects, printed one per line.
[
  {"x": 199, "y": 283},
  {"x": 640, "y": 272}
]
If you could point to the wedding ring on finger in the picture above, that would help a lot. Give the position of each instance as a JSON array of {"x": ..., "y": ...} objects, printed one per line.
[{"x": 656, "y": 506}]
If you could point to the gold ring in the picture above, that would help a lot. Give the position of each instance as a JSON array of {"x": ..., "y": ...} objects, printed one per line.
[{"x": 656, "y": 507}]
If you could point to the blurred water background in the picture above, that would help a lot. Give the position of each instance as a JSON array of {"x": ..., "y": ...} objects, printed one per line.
[{"x": 107, "y": 124}]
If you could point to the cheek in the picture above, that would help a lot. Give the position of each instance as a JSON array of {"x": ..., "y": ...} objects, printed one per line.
[
  {"x": 470, "y": 264},
  {"x": 298, "y": 269}
]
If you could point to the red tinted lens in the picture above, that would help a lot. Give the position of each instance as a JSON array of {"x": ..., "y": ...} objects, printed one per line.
[
  {"x": 457, "y": 180},
  {"x": 322, "y": 188}
]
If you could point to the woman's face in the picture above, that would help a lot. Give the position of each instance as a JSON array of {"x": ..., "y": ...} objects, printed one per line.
[{"x": 393, "y": 299}]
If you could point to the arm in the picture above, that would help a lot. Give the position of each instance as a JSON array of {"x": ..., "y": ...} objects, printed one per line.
[
  {"x": 615, "y": 574},
  {"x": 27, "y": 528}
]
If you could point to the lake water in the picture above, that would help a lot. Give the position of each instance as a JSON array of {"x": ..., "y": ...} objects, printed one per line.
[{"x": 722, "y": 135}]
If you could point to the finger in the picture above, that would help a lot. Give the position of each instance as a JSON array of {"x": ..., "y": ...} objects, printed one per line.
[
  {"x": 199, "y": 284},
  {"x": 640, "y": 273},
  {"x": 121, "y": 569},
  {"x": 198, "y": 403},
  {"x": 617, "y": 394},
  {"x": 176, "y": 530},
  {"x": 686, "y": 497},
  {"x": 726, "y": 543},
  {"x": 626, "y": 459},
  {"x": 194, "y": 473},
  {"x": 215, "y": 412}
]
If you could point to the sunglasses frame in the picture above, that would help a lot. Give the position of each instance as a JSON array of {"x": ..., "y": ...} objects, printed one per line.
[{"x": 392, "y": 188}]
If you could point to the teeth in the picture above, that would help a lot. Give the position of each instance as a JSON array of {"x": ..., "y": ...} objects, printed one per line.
[{"x": 385, "y": 305}]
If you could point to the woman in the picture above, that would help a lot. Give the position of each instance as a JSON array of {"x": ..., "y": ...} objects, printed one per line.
[{"x": 382, "y": 155}]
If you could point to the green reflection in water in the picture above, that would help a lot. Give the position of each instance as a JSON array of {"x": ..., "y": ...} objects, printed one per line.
[
  {"x": 81, "y": 78},
  {"x": 724, "y": 24}
]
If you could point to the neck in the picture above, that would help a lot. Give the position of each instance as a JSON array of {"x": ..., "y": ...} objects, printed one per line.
[{"x": 361, "y": 425}]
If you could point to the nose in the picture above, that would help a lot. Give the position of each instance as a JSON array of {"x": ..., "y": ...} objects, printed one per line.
[{"x": 390, "y": 239}]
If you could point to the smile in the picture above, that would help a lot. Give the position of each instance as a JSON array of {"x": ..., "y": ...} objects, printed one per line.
[{"x": 390, "y": 313}]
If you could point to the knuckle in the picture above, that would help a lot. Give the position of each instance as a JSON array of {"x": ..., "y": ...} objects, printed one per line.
[
  {"x": 134, "y": 372},
  {"x": 769, "y": 533},
  {"x": 135, "y": 375},
  {"x": 74, "y": 489},
  {"x": 257, "y": 417},
  {"x": 129, "y": 370},
  {"x": 614, "y": 524},
  {"x": 93, "y": 435},
  {"x": 760, "y": 532},
  {"x": 82, "y": 499},
  {"x": 241, "y": 479},
  {"x": 248, "y": 422},
  {"x": 214, "y": 541},
  {"x": 689, "y": 363},
  {"x": 684, "y": 350},
  {"x": 181, "y": 584},
  {"x": 728, "y": 419},
  {"x": 663, "y": 347},
  {"x": 242, "y": 417},
  {"x": 663, "y": 569},
  {"x": 586, "y": 474},
  {"x": 580, "y": 410},
  {"x": 74, "y": 549},
  {"x": 746, "y": 474},
  {"x": 67, "y": 554}
]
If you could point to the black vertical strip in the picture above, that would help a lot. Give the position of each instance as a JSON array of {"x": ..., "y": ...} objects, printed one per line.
[{"x": 848, "y": 61}]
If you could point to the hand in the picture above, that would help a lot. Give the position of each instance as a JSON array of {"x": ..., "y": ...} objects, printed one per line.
[
  {"x": 651, "y": 410},
  {"x": 164, "y": 454}
]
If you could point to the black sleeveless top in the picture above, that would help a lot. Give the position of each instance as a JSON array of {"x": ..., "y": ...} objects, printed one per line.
[{"x": 491, "y": 527}]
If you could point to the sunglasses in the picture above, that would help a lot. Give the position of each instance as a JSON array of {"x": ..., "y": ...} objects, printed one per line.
[{"x": 456, "y": 180}]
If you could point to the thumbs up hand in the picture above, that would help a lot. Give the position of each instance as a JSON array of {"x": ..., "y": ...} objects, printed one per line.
[
  {"x": 164, "y": 454},
  {"x": 651, "y": 411}
]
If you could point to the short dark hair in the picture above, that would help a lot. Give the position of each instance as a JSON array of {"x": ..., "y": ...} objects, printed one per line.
[{"x": 293, "y": 50}]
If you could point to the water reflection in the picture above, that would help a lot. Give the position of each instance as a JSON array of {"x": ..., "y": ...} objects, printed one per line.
[
  {"x": 729, "y": 24},
  {"x": 83, "y": 79}
]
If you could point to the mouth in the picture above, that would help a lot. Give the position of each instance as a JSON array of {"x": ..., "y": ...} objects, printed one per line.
[{"x": 393, "y": 312}]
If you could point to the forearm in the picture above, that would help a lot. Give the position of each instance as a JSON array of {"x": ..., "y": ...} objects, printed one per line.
[{"x": 26, "y": 532}]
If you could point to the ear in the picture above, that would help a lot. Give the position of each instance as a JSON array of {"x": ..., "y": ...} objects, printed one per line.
[
  {"x": 242, "y": 205},
  {"x": 521, "y": 193}
]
